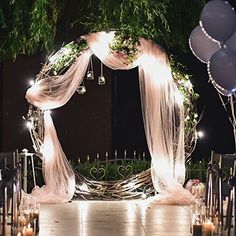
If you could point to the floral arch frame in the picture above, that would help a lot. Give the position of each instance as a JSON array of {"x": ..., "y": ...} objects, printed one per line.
[{"x": 168, "y": 115}]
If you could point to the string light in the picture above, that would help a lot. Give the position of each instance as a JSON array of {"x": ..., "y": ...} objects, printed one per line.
[
  {"x": 144, "y": 195},
  {"x": 29, "y": 124},
  {"x": 200, "y": 134},
  {"x": 31, "y": 82}
]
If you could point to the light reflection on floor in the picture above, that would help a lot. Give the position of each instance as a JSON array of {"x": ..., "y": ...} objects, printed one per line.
[{"x": 113, "y": 218}]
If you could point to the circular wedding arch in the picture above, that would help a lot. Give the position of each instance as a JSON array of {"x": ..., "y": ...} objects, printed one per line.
[{"x": 162, "y": 109}]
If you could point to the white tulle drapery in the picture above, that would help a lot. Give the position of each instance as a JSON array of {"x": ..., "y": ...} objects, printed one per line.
[
  {"x": 58, "y": 174},
  {"x": 55, "y": 91},
  {"x": 99, "y": 44},
  {"x": 49, "y": 93},
  {"x": 162, "y": 107},
  {"x": 163, "y": 117}
]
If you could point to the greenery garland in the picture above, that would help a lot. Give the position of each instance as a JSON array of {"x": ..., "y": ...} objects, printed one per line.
[
  {"x": 66, "y": 56},
  {"x": 125, "y": 45},
  {"x": 191, "y": 119},
  {"x": 133, "y": 186},
  {"x": 59, "y": 62}
]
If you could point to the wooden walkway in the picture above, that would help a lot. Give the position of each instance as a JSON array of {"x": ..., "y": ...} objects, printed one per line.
[{"x": 114, "y": 218}]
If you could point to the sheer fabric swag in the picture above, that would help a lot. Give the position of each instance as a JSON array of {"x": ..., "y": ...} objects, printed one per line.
[{"x": 163, "y": 117}]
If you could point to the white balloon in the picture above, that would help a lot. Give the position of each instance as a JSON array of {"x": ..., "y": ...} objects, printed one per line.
[
  {"x": 222, "y": 69},
  {"x": 218, "y": 18},
  {"x": 231, "y": 43},
  {"x": 201, "y": 45}
]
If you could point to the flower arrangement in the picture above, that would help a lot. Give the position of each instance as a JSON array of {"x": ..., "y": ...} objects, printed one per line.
[{"x": 125, "y": 47}]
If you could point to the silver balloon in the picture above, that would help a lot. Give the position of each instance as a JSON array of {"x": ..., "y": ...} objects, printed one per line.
[
  {"x": 231, "y": 43},
  {"x": 222, "y": 69},
  {"x": 201, "y": 45},
  {"x": 218, "y": 19}
]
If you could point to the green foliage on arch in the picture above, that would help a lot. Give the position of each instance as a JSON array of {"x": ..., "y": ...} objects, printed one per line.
[
  {"x": 28, "y": 26},
  {"x": 59, "y": 62},
  {"x": 168, "y": 22}
]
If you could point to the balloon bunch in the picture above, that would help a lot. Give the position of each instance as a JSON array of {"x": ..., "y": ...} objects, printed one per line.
[{"x": 213, "y": 42}]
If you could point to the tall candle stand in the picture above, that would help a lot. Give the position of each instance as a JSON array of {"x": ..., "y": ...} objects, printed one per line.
[
  {"x": 231, "y": 206},
  {"x": 213, "y": 197}
]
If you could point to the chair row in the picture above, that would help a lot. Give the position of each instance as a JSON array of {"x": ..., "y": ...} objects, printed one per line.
[
  {"x": 221, "y": 191},
  {"x": 10, "y": 195}
]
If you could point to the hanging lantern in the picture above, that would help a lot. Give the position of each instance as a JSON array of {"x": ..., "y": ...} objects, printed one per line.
[
  {"x": 101, "y": 78},
  {"x": 81, "y": 88},
  {"x": 90, "y": 73}
]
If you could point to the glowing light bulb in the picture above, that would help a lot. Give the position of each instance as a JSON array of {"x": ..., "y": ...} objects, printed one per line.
[
  {"x": 83, "y": 187},
  {"x": 31, "y": 82},
  {"x": 200, "y": 134},
  {"x": 29, "y": 124},
  {"x": 144, "y": 196}
]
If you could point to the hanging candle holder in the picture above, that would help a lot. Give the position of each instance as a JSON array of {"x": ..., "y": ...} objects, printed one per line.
[
  {"x": 81, "y": 88},
  {"x": 90, "y": 73},
  {"x": 101, "y": 78}
]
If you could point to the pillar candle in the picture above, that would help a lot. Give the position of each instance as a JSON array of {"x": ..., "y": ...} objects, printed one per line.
[
  {"x": 22, "y": 221},
  {"x": 29, "y": 231},
  {"x": 208, "y": 229}
]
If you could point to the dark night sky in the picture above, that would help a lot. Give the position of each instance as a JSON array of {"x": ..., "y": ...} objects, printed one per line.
[{"x": 215, "y": 120}]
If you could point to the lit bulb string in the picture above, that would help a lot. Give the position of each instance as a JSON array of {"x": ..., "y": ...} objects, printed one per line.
[
  {"x": 36, "y": 128},
  {"x": 220, "y": 43},
  {"x": 217, "y": 86},
  {"x": 35, "y": 146},
  {"x": 47, "y": 72},
  {"x": 129, "y": 188},
  {"x": 189, "y": 42}
]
